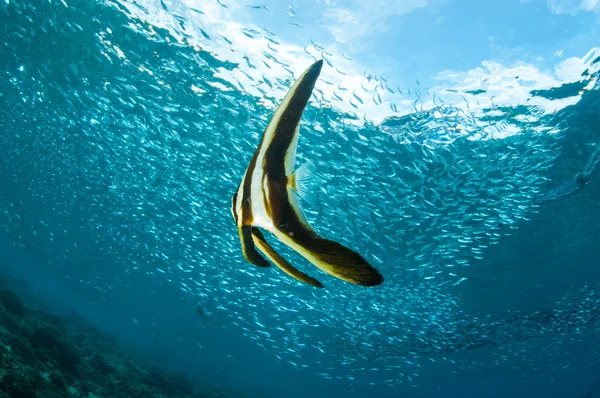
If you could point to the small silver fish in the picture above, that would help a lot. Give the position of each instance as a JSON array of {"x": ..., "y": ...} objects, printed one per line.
[{"x": 266, "y": 199}]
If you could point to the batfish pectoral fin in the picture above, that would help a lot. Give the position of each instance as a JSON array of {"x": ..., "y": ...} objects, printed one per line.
[
  {"x": 331, "y": 257},
  {"x": 248, "y": 249},
  {"x": 304, "y": 183},
  {"x": 264, "y": 247}
]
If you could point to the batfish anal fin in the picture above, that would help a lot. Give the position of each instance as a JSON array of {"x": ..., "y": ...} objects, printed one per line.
[
  {"x": 248, "y": 249},
  {"x": 263, "y": 246},
  {"x": 304, "y": 182},
  {"x": 331, "y": 257}
]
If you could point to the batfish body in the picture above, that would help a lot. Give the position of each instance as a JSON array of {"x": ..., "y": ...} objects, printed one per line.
[{"x": 266, "y": 199}]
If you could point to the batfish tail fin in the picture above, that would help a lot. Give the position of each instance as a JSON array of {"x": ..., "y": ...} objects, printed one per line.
[
  {"x": 333, "y": 258},
  {"x": 264, "y": 247}
]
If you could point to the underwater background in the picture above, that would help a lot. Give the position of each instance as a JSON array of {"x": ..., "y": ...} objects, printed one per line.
[{"x": 448, "y": 137}]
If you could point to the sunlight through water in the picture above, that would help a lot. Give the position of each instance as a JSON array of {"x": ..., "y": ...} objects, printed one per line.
[{"x": 127, "y": 125}]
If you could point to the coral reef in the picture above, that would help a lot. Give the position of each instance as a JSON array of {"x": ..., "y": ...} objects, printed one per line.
[{"x": 43, "y": 356}]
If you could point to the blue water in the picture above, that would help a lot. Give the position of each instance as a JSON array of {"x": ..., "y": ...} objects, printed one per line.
[{"x": 123, "y": 136}]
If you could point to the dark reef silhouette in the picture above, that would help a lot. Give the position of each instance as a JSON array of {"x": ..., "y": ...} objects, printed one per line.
[{"x": 46, "y": 356}]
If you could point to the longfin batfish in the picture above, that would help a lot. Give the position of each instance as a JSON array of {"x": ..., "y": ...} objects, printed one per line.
[{"x": 266, "y": 198}]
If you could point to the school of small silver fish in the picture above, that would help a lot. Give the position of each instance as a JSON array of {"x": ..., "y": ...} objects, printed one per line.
[{"x": 134, "y": 153}]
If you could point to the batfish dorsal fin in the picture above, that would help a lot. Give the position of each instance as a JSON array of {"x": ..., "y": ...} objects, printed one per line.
[
  {"x": 281, "y": 136},
  {"x": 290, "y": 154}
]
